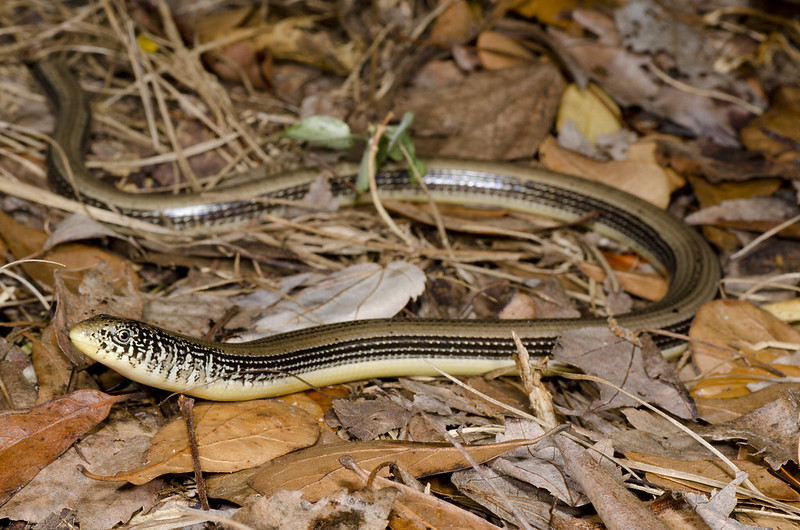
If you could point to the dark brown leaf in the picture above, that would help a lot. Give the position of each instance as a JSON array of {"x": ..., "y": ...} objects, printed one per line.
[{"x": 29, "y": 440}]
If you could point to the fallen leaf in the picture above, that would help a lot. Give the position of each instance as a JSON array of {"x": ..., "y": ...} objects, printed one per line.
[
  {"x": 773, "y": 429},
  {"x": 367, "y": 419},
  {"x": 718, "y": 410},
  {"x": 455, "y": 24},
  {"x": 721, "y": 164},
  {"x": 535, "y": 504},
  {"x": 361, "y": 291},
  {"x": 452, "y": 120},
  {"x": 591, "y": 110},
  {"x": 642, "y": 372},
  {"x": 722, "y": 326},
  {"x": 363, "y": 510},
  {"x": 766, "y": 483},
  {"x": 716, "y": 511},
  {"x": 230, "y": 437},
  {"x": 31, "y": 439},
  {"x": 497, "y": 51},
  {"x": 775, "y": 132},
  {"x": 317, "y": 472},
  {"x": 616, "y": 506},
  {"x": 644, "y": 285},
  {"x": 96, "y": 505},
  {"x": 639, "y": 175}
]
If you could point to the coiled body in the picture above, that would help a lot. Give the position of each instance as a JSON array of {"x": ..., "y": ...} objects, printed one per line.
[{"x": 370, "y": 348}]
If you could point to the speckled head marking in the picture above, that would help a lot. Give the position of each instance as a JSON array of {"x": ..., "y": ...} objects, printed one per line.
[{"x": 141, "y": 352}]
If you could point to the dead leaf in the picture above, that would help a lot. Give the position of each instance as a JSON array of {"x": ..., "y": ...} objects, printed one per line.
[
  {"x": 775, "y": 132},
  {"x": 317, "y": 472},
  {"x": 640, "y": 371},
  {"x": 362, "y": 291},
  {"x": 497, "y": 51},
  {"x": 721, "y": 164},
  {"x": 230, "y": 437},
  {"x": 422, "y": 509},
  {"x": 539, "y": 464},
  {"x": 363, "y": 509},
  {"x": 644, "y": 285},
  {"x": 75, "y": 228},
  {"x": 616, "y": 506},
  {"x": 366, "y": 419},
  {"x": 536, "y": 505},
  {"x": 96, "y": 505},
  {"x": 54, "y": 372},
  {"x": 716, "y": 511},
  {"x": 773, "y": 429},
  {"x": 639, "y": 175},
  {"x": 724, "y": 409},
  {"x": 766, "y": 483},
  {"x": 591, "y": 110},
  {"x": 723, "y": 325},
  {"x": 452, "y": 121},
  {"x": 31, "y": 439},
  {"x": 455, "y": 24}
]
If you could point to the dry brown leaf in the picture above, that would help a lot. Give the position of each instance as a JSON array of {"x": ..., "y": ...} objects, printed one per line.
[
  {"x": 648, "y": 286},
  {"x": 367, "y": 419},
  {"x": 455, "y": 24},
  {"x": 317, "y": 471},
  {"x": 54, "y": 372},
  {"x": 535, "y": 504},
  {"x": 724, "y": 409},
  {"x": 723, "y": 325},
  {"x": 616, "y": 506},
  {"x": 773, "y": 429},
  {"x": 642, "y": 372},
  {"x": 497, "y": 51},
  {"x": 230, "y": 437},
  {"x": 775, "y": 132},
  {"x": 424, "y": 510},
  {"x": 31, "y": 439},
  {"x": 490, "y": 115},
  {"x": 639, "y": 175},
  {"x": 61, "y": 486},
  {"x": 767, "y": 483}
]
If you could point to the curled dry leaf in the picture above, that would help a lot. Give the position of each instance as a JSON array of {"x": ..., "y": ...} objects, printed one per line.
[
  {"x": 230, "y": 437},
  {"x": 317, "y": 472},
  {"x": 31, "y": 439}
]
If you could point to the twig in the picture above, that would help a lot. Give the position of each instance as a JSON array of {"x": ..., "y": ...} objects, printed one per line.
[{"x": 186, "y": 404}]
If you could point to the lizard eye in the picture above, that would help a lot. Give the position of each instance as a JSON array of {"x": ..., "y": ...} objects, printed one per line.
[{"x": 123, "y": 336}]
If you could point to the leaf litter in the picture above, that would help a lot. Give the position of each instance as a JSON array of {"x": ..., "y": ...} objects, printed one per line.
[{"x": 683, "y": 94}]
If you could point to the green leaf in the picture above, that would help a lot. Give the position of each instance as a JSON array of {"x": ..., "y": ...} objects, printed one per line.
[
  {"x": 326, "y": 131},
  {"x": 398, "y": 134}
]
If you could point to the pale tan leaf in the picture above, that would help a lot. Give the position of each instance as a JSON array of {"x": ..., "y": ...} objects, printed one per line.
[
  {"x": 230, "y": 437},
  {"x": 639, "y": 175},
  {"x": 362, "y": 291}
]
